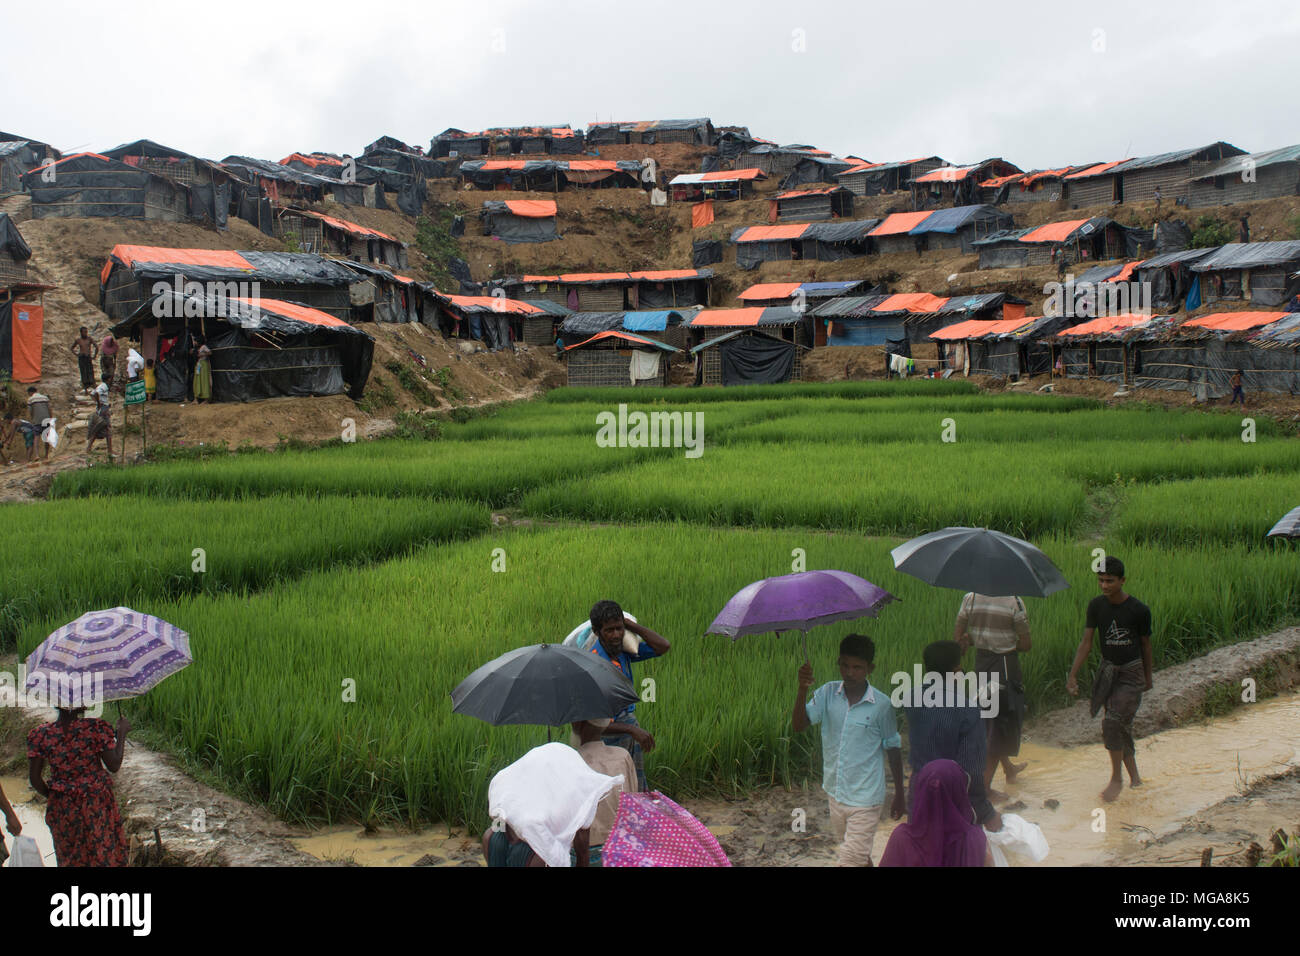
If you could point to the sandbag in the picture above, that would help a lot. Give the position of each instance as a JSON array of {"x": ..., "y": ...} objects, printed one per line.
[{"x": 584, "y": 639}]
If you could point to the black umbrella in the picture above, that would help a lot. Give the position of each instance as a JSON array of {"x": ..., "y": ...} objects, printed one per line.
[
  {"x": 543, "y": 684},
  {"x": 979, "y": 560},
  {"x": 1288, "y": 527}
]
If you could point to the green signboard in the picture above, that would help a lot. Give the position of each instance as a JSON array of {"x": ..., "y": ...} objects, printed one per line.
[{"x": 135, "y": 393}]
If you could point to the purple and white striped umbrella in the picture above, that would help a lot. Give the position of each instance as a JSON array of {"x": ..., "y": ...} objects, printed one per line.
[{"x": 114, "y": 654}]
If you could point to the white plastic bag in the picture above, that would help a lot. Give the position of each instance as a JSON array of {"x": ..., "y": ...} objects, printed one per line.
[
  {"x": 51, "y": 434},
  {"x": 1017, "y": 836},
  {"x": 25, "y": 852}
]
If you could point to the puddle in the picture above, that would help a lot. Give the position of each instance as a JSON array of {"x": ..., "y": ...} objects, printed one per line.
[
  {"x": 30, "y": 815},
  {"x": 1185, "y": 771},
  {"x": 348, "y": 844}
]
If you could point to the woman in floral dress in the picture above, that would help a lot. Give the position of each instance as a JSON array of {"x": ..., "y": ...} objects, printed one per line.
[{"x": 82, "y": 813}]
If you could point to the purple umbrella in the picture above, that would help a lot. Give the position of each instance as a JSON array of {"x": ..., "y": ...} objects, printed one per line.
[
  {"x": 106, "y": 655},
  {"x": 798, "y": 602}
]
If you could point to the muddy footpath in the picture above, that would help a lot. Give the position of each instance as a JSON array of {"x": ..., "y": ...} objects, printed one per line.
[{"x": 1221, "y": 776}]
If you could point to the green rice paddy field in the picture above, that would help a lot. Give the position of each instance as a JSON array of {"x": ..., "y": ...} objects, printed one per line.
[{"x": 372, "y": 566}]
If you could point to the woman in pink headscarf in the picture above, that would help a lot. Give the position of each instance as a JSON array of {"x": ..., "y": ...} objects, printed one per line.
[{"x": 941, "y": 830}]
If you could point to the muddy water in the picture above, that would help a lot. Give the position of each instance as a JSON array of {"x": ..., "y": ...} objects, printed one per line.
[
  {"x": 1185, "y": 771},
  {"x": 30, "y": 814},
  {"x": 436, "y": 846}
]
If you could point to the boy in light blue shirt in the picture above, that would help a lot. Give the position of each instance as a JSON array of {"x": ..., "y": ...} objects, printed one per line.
[{"x": 858, "y": 729}]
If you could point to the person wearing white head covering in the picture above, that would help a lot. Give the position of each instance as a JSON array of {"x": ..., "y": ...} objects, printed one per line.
[{"x": 546, "y": 799}]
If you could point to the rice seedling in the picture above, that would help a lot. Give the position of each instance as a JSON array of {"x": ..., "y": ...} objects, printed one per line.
[
  {"x": 266, "y": 704},
  {"x": 67, "y": 557}
]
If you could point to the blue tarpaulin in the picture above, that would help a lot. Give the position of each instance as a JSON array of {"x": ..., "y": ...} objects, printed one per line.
[
  {"x": 649, "y": 321},
  {"x": 864, "y": 331}
]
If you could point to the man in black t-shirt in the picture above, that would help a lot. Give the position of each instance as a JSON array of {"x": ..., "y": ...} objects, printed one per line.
[{"x": 1124, "y": 625}]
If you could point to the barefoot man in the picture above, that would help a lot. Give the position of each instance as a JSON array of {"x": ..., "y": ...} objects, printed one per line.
[
  {"x": 1124, "y": 623},
  {"x": 999, "y": 630}
]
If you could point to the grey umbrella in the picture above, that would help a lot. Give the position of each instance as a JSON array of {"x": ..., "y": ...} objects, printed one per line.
[
  {"x": 1288, "y": 527},
  {"x": 979, "y": 560},
  {"x": 543, "y": 684}
]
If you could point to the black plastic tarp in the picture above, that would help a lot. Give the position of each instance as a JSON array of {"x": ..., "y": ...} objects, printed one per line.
[
  {"x": 705, "y": 252},
  {"x": 7, "y": 337},
  {"x": 90, "y": 186},
  {"x": 1172, "y": 236},
  {"x": 756, "y": 360},
  {"x": 255, "y": 353},
  {"x": 589, "y": 323},
  {"x": 501, "y": 222},
  {"x": 12, "y": 242}
]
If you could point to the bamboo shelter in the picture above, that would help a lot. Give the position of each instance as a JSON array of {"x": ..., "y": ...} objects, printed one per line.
[{"x": 619, "y": 358}]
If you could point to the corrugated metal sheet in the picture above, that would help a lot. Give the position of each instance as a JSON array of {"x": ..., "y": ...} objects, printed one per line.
[
  {"x": 1239, "y": 164},
  {"x": 1250, "y": 255},
  {"x": 1167, "y": 259},
  {"x": 1177, "y": 156}
]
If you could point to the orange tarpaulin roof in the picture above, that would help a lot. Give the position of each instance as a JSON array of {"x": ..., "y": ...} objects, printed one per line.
[
  {"x": 1095, "y": 170},
  {"x": 531, "y": 208},
  {"x": 820, "y": 191},
  {"x": 346, "y": 226},
  {"x": 997, "y": 181},
  {"x": 726, "y": 175},
  {"x": 1053, "y": 231},
  {"x": 770, "y": 290},
  {"x": 945, "y": 174},
  {"x": 593, "y": 165},
  {"x": 495, "y": 303},
  {"x": 659, "y": 275},
  {"x": 615, "y": 334},
  {"x": 1043, "y": 174},
  {"x": 972, "y": 328},
  {"x": 1236, "y": 321},
  {"x": 310, "y": 160},
  {"x": 911, "y": 302},
  {"x": 898, "y": 223},
  {"x": 1107, "y": 323},
  {"x": 728, "y": 317},
  {"x": 294, "y": 311},
  {"x": 772, "y": 233},
  {"x": 130, "y": 255},
  {"x": 37, "y": 169},
  {"x": 662, "y": 275},
  {"x": 860, "y": 167},
  {"x": 1125, "y": 273}
]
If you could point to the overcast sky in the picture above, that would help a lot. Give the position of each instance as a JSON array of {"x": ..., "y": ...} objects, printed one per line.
[{"x": 1039, "y": 84}]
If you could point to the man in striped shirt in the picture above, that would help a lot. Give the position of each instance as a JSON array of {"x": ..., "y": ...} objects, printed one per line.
[{"x": 999, "y": 631}]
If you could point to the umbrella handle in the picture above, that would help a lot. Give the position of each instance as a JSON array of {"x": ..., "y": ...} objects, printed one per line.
[{"x": 803, "y": 636}]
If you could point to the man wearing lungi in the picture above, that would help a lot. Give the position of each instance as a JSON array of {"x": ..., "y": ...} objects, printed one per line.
[{"x": 1124, "y": 624}]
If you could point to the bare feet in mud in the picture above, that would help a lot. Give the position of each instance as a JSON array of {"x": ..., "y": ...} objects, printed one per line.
[
  {"x": 1112, "y": 789},
  {"x": 1135, "y": 781},
  {"x": 996, "y": 796},
  {"x": 1013, "y": 770}
]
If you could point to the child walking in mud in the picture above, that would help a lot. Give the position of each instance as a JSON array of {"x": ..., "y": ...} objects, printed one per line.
[
  {"x": 1124, "y": 623},
  {"x": 859, "y": 733}
]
